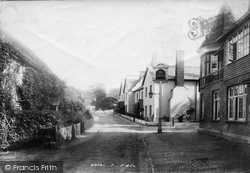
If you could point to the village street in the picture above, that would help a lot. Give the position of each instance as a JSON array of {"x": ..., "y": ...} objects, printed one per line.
[{"x": 115, "y": 144}]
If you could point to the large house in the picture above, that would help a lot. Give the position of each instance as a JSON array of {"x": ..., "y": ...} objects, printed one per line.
[
  {"x": 225, "y": 78},
  {"x": 179, "y": 96},
  {"x": 179, "y": 90}
]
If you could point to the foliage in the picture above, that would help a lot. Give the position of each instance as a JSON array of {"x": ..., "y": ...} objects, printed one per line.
[
  {"x": 40, "y": 90},
  {"x": 40, "y": 95},
  {"x": 6, "y": 107},
  {"x": 101, "y": 101},
  {"x": 31, "y": 123}
]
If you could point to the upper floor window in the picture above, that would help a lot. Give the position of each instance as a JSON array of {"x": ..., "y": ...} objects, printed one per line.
[
  {"x": 237, "y": 102},
  {"x": 146, "y": 91},
  {"x": 238, "y": 44},
  {"x": 210, "y": 63},
  {"x": 150, "y": 88}
]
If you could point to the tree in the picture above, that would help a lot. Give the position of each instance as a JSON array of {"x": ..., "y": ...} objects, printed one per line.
[
  {"x": 110, "y": 102},
  {"x": 100, "y": 99},
  {"x": 98, "y": 93}
]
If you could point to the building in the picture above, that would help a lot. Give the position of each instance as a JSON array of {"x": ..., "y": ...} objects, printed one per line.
[
  {"x": 225, "y": 78},
  {"x": 19, "y": 58},
  {"x": 129, "y": 97},
  {"x": 126, "y": 98},
  {"x": 179, "y": 90},
  {"x": 137, "y": 92}
]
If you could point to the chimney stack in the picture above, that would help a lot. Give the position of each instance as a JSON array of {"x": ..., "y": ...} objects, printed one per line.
[{"x": 179, "y": 68}]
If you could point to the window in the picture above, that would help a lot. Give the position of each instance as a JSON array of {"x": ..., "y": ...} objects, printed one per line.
[
  {"x": 220, "y": 59},
  {"x": 207, "y": 64},
  {"x": 202, "y": 106},
  {"x": 238, "y": 44},
  {"x": 237, "y": 102},
  {"x": 216, "y": 105},
  {"x": 146, "y": 111},
  {"x": 211, "y": 63},
  {"x": 214, "y": 63},
  {"x": 150, "y": 88},
  {"x": 146, "y": 91}
]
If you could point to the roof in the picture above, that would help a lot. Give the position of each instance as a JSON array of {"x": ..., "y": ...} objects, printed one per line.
[
  {"x": 138, "y": 85},
  {"x": 23, "y": 54},
  {"x": 130, "y": 81},
  {"x": 227, "y": 21},
  {"x": 121, "y": 87},
  {"x": 245, "y": 17},
  {"x": 190, "y": 72}
]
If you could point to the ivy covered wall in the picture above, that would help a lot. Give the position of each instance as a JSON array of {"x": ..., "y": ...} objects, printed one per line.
[{"x": 32, "y": 100}]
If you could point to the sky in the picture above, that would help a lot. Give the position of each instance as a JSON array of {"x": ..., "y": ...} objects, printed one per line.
[{"x": 102, "y": 41}]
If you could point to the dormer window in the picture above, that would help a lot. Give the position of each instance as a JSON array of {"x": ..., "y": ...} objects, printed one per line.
[{"x": 238, "y": 44}]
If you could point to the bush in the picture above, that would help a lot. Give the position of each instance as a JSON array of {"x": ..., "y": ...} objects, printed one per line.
[{"x": 34, "y": 124}]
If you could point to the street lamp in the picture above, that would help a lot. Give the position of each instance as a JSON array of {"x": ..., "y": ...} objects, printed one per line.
[
  {"x": 151, "y": 94},
  {"x": 160, "y": 106}
]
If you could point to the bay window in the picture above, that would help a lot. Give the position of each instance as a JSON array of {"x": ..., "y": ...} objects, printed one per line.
[{"x": 211, "y": 62}]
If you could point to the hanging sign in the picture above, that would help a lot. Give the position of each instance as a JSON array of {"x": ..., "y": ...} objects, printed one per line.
[{"x": 160, "y": 74}]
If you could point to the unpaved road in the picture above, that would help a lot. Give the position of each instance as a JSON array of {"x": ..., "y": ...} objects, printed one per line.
[
  {"x": 116, "y": 145},
  {"x": 113, "y": 144}
]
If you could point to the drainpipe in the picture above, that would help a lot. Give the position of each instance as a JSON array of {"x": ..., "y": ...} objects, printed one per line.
[
  {"x": 195, "y": 102},
  {"x": 171, "y": 119}
]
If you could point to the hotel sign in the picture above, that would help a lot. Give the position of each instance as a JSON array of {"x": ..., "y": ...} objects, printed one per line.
[{"x": 160, "y": 74}]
